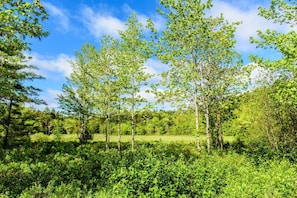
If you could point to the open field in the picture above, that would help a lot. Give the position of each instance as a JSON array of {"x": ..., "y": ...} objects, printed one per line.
[{"x": 125, "y": 138}]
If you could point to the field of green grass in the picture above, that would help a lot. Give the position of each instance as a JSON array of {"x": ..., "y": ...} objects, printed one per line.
[{"x": 125, "y": 138}]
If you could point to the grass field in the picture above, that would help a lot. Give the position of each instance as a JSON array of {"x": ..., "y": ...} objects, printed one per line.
[{"x": 125, "y": 138}]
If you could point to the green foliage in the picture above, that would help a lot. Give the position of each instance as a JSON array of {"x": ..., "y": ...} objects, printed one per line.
[
  {"x": 261, "y": 127},
  {"x": 282, "y": 12},
  {"x": 19, "y": 20},
  {"x": 203, "y": 64},
  {"x": 134, "y": 52},
  {"x": 106, "y": 81},
  {"x": 50, "y": 169}
]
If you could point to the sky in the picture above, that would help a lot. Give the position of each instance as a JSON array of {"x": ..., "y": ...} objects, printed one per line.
[{"x": 72, "y": 23}]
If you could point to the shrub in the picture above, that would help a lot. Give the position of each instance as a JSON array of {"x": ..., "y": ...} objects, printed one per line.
[{"x": 52, "y": 169}]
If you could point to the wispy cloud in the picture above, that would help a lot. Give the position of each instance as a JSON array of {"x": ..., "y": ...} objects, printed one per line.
[
  {"x": 154, "y": 67},
  {"x": 100, "y": 23},
  {"x": 51, "y": 101},
  {"x": 60, "y": 16},
  {"x": 46, "y": 65},
  {"x": 49, "y": 96},
  {"x": 248, "y": 15},
  {"x": 150, "y": 97}
]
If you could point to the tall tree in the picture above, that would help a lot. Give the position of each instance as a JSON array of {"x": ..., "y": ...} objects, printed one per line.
[
  {"x": 134, "y": 52},
  {"x": 285, "y": 81},
  {"x": 96, "y": 83},
  {"x": 76, "y": 99},
  {"x": 19, "y": 20},
  {"x": 200, "y": 52},
  {"x": 105, "y": 82},
  {"x": 282, "y": 12}
]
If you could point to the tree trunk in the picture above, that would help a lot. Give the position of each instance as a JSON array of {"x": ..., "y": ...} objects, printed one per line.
[
  {"x": 82, "y": 126},
  {"x": 119, "y": 128},
  {"x": 197, "y": 117},
  {"x": 216, "y": 130},
  {"x": 133, "y": 121},
  {"x": 107, "y": 132},
  {"x": 133, "y": 113},
  {"x": 207, "y": 127},
  {"x": 221, "y": 136},
  {"x": 7, "y": 124}
]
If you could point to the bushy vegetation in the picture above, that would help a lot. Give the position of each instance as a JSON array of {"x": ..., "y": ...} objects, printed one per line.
[{"x": 52, "y": 169}]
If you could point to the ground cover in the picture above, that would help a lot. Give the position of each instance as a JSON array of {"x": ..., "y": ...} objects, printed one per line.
[{"x": 70, "y": 169}]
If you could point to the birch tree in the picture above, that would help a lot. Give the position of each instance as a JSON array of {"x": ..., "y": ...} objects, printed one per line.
[
  {"x": 76, "y": 99},
  {"x": 198, "y": 50},
  {"x": 134, "y": 52},
  {"x": 104, "y": 80},
  {"x": 74, "y": 103}
]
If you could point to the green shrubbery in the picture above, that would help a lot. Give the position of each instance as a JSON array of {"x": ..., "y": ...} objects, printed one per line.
[{"x": 52, "y": 169}]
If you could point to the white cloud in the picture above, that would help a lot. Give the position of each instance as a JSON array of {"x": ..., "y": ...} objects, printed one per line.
[
  {"x": 61, "y": 18},
  {"x": 159, "y": 22},
  {"x": 154, "y": 67},
  {"x": 49, "y": 96},
  {"x": 150, "y": 66},
  {"x": 150, "y": 97},
  {"x": 58, "y": 64},
  {"x": 261, "y": 76},
  {"x": 251, "y": 22},
  {"x": 100, "y": 24},
  {"x": 54, "y": 93}
]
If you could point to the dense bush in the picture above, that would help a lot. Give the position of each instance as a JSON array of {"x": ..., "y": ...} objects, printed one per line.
[{"x": 53, "y": 169}]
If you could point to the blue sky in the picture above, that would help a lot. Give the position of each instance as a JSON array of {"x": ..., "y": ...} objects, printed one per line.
[{"x": 74, "y": 22}]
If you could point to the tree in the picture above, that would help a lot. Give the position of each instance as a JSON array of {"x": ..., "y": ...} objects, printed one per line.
[
  {"x": 97, "y": 90},
  {"x": 46, "y": 118},
  {"x": 76, "y": 99},
  {"x": 104, "y": 80},
  {"x": 200, "y": 53},
  {"x": 284, "y": 83},
  {"x": 282, "y": 12},
  {"x": 74, "y": 102},
  {"x": 134, "y": 52},
  {"x": 19, "y": 20},
  {"x": 259, "y": 128}
]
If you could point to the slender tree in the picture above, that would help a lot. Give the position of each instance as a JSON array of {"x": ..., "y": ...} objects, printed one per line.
[
  {"x": 105, "y": 82},
  {"x": 76, "y": 99},
  {"x": 134, "y": 52},
  {"x": 96, "y": 80},
  {"x": 198, "y": 50}
]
